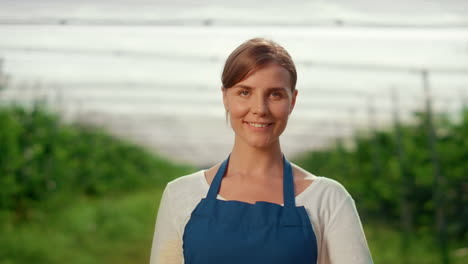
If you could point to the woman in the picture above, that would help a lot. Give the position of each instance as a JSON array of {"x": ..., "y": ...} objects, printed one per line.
[{"x": 255, "y": 206}]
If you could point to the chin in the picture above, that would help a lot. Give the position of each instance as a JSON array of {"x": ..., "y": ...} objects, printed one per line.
[{"x": 261, "y": 144}]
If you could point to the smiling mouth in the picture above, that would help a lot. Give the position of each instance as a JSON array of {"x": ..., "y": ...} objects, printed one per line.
[{"x": 259, "y": 124}]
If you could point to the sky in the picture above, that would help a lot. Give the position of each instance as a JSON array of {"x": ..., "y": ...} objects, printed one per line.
[
  {"x": 275, "y": 11},
  {"x": 150, "y": 70}
]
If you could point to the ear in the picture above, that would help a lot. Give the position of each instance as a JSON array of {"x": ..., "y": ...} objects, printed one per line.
[
  {"x": 225, "y": 101},
  {"x": 293, "y": 101}
]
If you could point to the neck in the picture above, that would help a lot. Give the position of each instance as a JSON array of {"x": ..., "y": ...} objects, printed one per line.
[{"x": 255, "y": 163}]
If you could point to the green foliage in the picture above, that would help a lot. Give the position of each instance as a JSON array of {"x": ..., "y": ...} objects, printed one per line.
[
  {"x": 386, "y": 247},
  {"x": 112, "y": 229},
  {"x": 379, "y": 179},
  {"x": 79, "y": 192},
  {"x": 119, "y": 230},
  {"x": 44, "y": 162}
]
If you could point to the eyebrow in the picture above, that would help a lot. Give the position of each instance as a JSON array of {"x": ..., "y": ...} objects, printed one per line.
[{"x": 243, "y": 86}]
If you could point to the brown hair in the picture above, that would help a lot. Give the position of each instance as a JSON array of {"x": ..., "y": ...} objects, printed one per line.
[{"x": 253, "y": 55}]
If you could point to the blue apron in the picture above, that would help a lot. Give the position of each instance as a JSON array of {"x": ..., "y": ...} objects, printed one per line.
[{"x": 234, "y": 232}]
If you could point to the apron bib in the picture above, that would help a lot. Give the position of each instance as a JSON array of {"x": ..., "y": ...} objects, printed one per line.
[{"x": 235, "y": 232}]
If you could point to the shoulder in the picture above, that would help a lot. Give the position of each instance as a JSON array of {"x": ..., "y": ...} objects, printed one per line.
[
  {"x": 185, "y": 181},
  {"x": 324, "y": 195},
  {"x": 332, "y": 193},
  {"x": 183, "y": 194},
  {"x": 179, "y": 198},
  {"x": 326, "y": 191},
  {"x": 321, "y": 187},
  {"x": 332, "y": 189},
  {"x": 322, "y": 200},
  {"x": 184, "y": 190},
  {"x": 187, "y": 187}
]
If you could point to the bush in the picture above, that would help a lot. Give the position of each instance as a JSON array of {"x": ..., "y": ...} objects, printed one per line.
[
  {"x": 379, "y": 179},
  {"x": 44, "y": 160}
]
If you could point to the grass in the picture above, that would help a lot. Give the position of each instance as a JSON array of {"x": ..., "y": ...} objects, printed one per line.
[
  {"x": 119, "y": 230},
  {"x": 386, "y": 247},
  {"x": 111, "y": 230}
]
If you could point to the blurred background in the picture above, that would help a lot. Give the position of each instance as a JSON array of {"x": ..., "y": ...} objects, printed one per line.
[{"x": 102, "y": 103}]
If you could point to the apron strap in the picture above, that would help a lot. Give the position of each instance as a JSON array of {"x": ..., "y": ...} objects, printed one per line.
[
  {"x": 288, "y": 183},
  {"x": 216, "y": 182}
]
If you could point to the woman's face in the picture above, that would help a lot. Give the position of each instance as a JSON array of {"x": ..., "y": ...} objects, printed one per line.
[{"x": 260, "y": 105}]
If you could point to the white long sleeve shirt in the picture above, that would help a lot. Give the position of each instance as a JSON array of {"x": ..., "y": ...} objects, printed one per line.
[{"x": 331, "y": 209}]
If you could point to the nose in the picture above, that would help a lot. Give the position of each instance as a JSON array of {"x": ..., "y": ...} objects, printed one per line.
[{"x": 260, "y": 106}]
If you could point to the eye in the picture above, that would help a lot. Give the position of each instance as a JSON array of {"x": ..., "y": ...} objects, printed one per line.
[
  {"x": 276, "y": 94},
  {"x": 244, "y": 93}
]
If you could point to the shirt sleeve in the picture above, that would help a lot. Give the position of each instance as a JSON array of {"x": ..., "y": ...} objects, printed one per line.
[
  {"x": 167, "y": 244},
  {"x": 344, "y": 241}
]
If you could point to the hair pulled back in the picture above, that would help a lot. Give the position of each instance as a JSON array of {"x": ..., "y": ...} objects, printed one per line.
[{"x": 252, "y": 55}]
